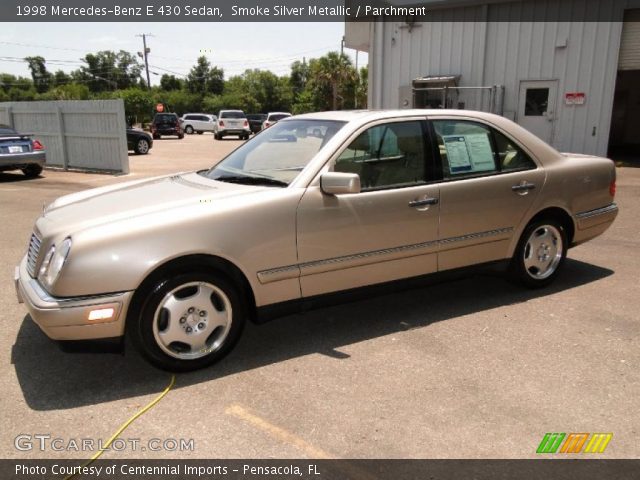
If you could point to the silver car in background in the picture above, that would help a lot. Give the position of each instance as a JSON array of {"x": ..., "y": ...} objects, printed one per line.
[{"x": 316, "y": 205}]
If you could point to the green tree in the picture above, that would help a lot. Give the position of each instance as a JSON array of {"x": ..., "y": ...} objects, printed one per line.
[
  {"x": 170, "y": 82},
  {"x": 41, "y": 77},
  {"x": 108, "y": 70},
  {"x": 60, "y": 78},
  {"x": 203, "y": 78},
  {"x": 334, "y": 71},
  {"x": 72, "y": 91}
]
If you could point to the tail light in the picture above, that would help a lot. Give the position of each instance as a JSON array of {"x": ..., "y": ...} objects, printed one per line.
[
  {"x": 221, "y": 123},
  {"x": 246, "y": 123},
  {"x": 612, "y": 188},
  {"x": 37, "y": 145},
  {"x": 266, "y": 124}
]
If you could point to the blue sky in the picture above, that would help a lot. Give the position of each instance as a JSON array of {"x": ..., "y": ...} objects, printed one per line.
[{"x": 174, "y": 46}]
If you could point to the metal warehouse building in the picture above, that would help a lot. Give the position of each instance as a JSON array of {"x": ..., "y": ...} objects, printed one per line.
[{"x": 574, "y": 83}]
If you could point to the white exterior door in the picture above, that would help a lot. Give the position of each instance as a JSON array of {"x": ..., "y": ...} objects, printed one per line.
[{"x": 537, "y": 107}]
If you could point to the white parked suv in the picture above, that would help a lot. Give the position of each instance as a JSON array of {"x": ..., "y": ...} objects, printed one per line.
[
  {"x": 231, "y": 122},
  {"x": 273, "y": 118},
  {"x": 197, "y": 123}
]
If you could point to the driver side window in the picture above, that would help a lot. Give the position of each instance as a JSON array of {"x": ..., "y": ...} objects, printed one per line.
[{"x": 386, "y": 156}]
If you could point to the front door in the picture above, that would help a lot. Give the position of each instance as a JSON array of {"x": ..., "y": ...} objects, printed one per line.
[
  {"x": 389, "y": 230},
  {"x": 537, "y": 107}
]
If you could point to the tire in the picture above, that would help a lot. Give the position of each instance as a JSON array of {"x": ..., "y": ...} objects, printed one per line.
[
  {"x": 199, "y": 132},
  {"x": 181, "y": 136},
  {"x": 32, "y": 171},
  {"x": 540, "y": 254},
  {"x": 188, "y": 130},
  {"x": 142, "y": 147},
  {"x": 189, "y": 321},
  {"x": 156, "y": 136}
]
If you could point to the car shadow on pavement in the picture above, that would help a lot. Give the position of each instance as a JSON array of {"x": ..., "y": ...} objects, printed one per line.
[
  {"x": 51, "y": 379},
  {"x": 17, "y": 176}
]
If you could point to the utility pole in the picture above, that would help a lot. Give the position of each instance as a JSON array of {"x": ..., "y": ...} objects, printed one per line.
[
  {"x": 144, "y": 54},
  {"x": 342, "y": 46}
]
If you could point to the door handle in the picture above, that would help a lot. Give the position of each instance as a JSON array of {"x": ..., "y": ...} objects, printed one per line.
[
  {"x": 423, "y": 202},
  {"x": 523, "y": 187}
]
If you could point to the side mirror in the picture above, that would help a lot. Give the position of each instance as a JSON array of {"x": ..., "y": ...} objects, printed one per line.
[{"x": 337, "y": 183}]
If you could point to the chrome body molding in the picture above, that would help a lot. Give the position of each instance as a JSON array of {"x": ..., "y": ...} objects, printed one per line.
[
  {"x": 598, "y": 211},
  {"x": 329, "y": 264}
]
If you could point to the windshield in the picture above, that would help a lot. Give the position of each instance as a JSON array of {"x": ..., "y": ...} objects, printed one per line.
[
  {"x": 232, "y": 115},
  {"x": 277, "y": 155}
]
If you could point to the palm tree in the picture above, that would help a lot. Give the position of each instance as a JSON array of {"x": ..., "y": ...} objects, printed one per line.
[{"x": 335, "y": 69}]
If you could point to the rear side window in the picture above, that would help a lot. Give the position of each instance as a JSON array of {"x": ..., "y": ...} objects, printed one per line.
[
  {"x": 465, "y": 148},
  {"x": 232, "y": 115},
  {"x": 473, "y": 149}
]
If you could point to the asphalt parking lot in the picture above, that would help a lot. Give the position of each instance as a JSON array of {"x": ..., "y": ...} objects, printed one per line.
[{"x": 473, "y": 368}]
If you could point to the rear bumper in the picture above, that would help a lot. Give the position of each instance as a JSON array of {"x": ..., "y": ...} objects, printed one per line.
[
  {"x": 592, "y": 223},
  {"x": 234, "y": 131},
  {"x": 68, "y": 318},
  {"x": 18, "y": 160}
]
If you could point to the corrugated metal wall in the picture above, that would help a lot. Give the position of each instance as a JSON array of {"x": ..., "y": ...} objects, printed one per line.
[
  {"x": 82, "y": 134},
  {"x": 582, "y": 56}
]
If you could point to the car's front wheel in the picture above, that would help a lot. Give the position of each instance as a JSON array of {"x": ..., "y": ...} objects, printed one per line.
[
  {"x": 188, "y": 130},
  {"x": 142, "y": 147},
  {"x": 189, "y": 321},
  {"x": 540, "y": 254},
  {"x": 32, "y": 171}
]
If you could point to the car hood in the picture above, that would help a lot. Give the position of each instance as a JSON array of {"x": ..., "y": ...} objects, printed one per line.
[{"x": 128, "y": 200}]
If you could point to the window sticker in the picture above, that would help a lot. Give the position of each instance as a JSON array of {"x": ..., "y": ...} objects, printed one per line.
[{"x": 469, "y": 153}]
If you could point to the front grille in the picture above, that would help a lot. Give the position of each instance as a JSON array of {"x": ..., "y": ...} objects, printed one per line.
[{"x": 32, "y": 254}]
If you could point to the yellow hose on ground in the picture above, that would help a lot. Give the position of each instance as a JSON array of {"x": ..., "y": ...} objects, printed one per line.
[{"x": 124, "y": 426}]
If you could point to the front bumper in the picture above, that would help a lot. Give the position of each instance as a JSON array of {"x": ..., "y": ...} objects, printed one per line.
[
  {"x": 18, "y": 160},
  {"x": 68, "y": 318}
]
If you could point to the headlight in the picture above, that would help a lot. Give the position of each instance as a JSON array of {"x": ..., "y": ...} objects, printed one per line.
[{"x": 53, "y": 263}]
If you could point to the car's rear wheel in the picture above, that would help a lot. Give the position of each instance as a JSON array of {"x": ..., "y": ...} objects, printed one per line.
[
  {"x": 32, "y": 171},
  {"x": 189, "y": 321},
  {"x": 540, "y": 254},
  {"x": 156, "y": 136},
  {"x": 142, "y": 147},
  {"x": 188, "y": 130},
  {"x": 180, "y": 136}
]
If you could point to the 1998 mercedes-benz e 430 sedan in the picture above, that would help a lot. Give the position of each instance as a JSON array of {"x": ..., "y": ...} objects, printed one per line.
[{"x": 318, "y": 204}]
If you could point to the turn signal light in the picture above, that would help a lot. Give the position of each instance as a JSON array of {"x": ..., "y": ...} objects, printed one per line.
[{"x": 101, "y": 314}]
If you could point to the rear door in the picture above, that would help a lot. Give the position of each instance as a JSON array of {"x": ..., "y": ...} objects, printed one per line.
[{"x": 489, "y": 184}]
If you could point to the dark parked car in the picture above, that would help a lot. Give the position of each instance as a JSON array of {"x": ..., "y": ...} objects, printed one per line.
[
  {"x": 139, "y": 141},
  {"x": 18, "y": 151},
  {"x": 166, "y": 124},
  {"x": 255, "y": 121}
]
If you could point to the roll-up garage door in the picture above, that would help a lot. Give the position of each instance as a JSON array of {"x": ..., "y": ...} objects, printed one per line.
[{"x": 630, "y": 45}]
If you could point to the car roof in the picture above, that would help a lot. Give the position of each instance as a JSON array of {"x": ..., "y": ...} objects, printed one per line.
[
  {"x": 279, "y": 113},
  {"x": 241, "y": 111}
]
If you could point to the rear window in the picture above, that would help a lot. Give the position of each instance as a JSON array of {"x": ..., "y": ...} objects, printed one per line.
[
  {"x": 7, "y": 131},
  {"x": 279, "y": 116},
  {"x": 165, "y": 117},
  {"x": 232, "y": 115}
]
